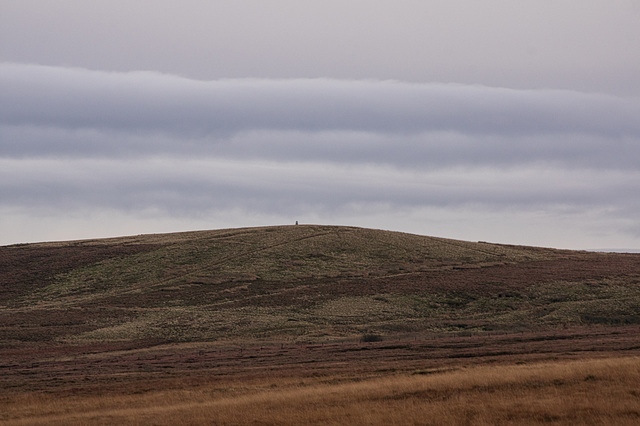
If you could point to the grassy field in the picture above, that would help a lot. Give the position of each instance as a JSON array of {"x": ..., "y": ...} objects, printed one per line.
[
  {"x": 600, "y": 391},
  {"x": 316, "y": 324}
]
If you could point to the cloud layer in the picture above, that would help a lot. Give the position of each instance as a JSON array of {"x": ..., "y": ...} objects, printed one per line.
[
  {"x": 74, "y": 140},
  {"x": 530, "y": 44}
]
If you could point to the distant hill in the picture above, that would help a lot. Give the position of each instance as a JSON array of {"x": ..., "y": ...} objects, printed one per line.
[{"x": 303, "y": 283}]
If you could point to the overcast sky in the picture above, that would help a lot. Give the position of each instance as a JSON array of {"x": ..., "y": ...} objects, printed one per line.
[{"x": 502, "y": 121}]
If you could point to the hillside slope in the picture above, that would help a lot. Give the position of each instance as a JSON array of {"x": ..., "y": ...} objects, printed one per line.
[{"x": 302, "y": 283}]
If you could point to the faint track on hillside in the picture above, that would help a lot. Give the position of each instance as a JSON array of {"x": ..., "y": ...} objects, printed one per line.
[{"x": 227, "y": 259}]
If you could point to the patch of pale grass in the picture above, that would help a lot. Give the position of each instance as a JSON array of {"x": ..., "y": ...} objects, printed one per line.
[{"x": 603, "y": 391}]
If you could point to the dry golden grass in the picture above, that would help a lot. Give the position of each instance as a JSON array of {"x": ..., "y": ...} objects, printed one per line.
[{"x": 600, "y": 391}]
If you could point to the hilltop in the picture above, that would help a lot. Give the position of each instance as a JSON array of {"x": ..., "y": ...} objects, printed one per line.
[{"x": 306, "y": 283}]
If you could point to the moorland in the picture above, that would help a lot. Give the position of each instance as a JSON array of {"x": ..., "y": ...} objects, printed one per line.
[{"x": 309, "y": 324}]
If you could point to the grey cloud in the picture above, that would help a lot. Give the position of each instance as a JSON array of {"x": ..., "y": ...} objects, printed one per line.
[
  {"x": 433, "y": 149},
  {"x": 47, "y": 111},
  {"x": 200, "y": 185},
  {"x": 75, "y": 98},
  {"x": 528, "y": 44},
  {"x": 73, "y": 140}
]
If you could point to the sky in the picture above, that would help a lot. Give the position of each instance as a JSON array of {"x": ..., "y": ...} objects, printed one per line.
[{"x": 500, "y": 121}]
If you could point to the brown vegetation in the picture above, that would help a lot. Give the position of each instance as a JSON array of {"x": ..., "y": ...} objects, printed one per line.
[
  {"x": 602, "y": 391},
  {"x": 316, "y": 324}
]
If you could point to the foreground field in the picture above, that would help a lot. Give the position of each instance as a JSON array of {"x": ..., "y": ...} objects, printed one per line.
[
  {"x": 598, "y": 391},
  {"x": 574, "y": 376}
]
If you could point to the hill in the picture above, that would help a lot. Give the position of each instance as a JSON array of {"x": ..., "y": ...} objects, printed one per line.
[
  {"x": 305, "y": 282},
  {"x": 310, "y": 324}
]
